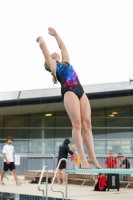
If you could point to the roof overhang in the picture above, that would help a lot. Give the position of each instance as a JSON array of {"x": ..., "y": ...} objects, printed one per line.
[{"x": 48, "y": 100}]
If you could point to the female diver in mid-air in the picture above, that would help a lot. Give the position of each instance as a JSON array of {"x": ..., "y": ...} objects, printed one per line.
[{"x": 75, "y": 100}]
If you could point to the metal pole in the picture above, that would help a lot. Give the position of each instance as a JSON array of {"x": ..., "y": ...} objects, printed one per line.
[
  {"x": 46, "y": 183},
  {"x": 66, "y": 184},
  {"x": 55, "y": 177},
  {"x": 45, "y": 167}
]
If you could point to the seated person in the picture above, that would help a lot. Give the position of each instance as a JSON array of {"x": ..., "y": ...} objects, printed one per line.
[
  {"x": 125, "y": 164},
  {"x": 111, "y": 161}
]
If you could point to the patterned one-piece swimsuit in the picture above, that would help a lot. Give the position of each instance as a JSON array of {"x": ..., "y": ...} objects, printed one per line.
[{"x": 68, "y": 79}]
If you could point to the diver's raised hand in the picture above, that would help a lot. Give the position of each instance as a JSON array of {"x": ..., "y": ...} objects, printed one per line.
[
  {"x": 52, "y": 31},
  {"x": 38, "y": 39}
]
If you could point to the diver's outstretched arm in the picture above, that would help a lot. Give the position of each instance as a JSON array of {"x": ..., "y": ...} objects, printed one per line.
[
  {"x": 64, "y": 52},
  {"x": 48, "y": 59}
]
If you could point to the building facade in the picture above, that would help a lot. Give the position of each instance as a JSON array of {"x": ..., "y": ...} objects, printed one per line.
[{"x": 38, "y": 122}]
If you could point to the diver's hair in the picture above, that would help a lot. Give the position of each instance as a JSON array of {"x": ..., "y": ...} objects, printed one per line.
[{"x": 55, "y": 81}]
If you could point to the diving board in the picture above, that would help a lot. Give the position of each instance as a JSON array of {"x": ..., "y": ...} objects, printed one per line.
[
  {"x": 85, "y": 171},
  {"x": 105, "y": 171},
  {"x": 97, "y": 171}
]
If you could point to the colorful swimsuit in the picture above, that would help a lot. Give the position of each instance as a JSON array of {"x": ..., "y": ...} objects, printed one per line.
[{"x": 68, "y": 79}]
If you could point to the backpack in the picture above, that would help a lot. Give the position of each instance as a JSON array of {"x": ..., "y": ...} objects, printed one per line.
[{"x": 100, "y": 184}]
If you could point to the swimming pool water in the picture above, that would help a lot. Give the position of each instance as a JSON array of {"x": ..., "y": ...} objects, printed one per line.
[{"x": 11, "y": 196}]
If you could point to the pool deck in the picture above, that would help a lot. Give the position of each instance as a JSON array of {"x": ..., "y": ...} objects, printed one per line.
[{"x": 75, "y": 192}]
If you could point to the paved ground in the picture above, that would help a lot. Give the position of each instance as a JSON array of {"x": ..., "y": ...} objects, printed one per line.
[{"x": 75, "y": 192}]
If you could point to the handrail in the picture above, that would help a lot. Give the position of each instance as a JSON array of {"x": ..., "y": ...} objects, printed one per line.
[
  {"x": 55, "y": 177},
  {"x": 55, "y": 156},
  {"x": 94, "y": 127},
  {"x": 45, "y": 167}
]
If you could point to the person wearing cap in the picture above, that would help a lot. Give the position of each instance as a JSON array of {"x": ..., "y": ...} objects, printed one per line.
[
  {"x": 111, "y": 161},
  {"x": 125, "y": 164}
]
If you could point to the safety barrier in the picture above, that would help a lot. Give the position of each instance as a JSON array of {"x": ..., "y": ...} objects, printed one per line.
[{"x": 36, "y": 162}]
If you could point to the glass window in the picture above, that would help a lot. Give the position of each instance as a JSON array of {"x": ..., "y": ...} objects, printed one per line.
[
  {"x": 131, "y": 146},
  {"x": 100, "y": 147},
  {"x": 132, "y": 110},
  {"x": 36, "y": 123},
  {"x": 16, "y": 133},
  {"x": 132, "y": 120},
  {"x": 98, "y": 123},
  {"x": 49, "y": 133},
  {"x": 42, "y": 126},
  {"x": 16, "y": 126},
  {"x": 42, "y": 133},
  {"x": 48, "y": 146},
  {"x": 118, "y": 133},
  {"x": 1, "y": 145},
  {"x": 45, "y": 146},
  {"x": 48, "y": 122},
  {"x": 118, "y": 122},
  {"x": 1, "y": 141},
  {"x": 98, "y": 117},
  {"x": 99, "y": 133},
  {"x": 118, "y": 117},
  {"x": 1, "y": 131},
  {"x": 98, "y": 112},
  {"x": 17, "y": 121},
  {"x": 123, "y": 146},
  {"x": 123, "y": 111},
  {"x": 36, "y": 120},
  {"x": 61, "y": 114},
  {"x": 63, "y": 133},
  {"x": 1, "y": 121},
  {"x": 35, "y": 146},
  {"x": 62, "y": 120},
  {"x": 20, "y": 146},
  {"x": 36, "y": 133}
]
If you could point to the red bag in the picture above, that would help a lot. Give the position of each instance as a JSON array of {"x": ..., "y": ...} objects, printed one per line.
[{"x": 101, "y": 184}]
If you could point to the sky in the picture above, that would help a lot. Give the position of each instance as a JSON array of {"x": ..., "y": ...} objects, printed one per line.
[{"x": 98, "y": 35}]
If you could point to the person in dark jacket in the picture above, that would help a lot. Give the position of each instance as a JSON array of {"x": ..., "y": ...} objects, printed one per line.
[{"x": 64, "y": 150}]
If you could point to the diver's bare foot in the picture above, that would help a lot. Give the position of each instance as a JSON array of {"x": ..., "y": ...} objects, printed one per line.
[
  {"x": 59, "y": 183},
  {"x": 94, "y": 162},
  {"x": 84, "y": 165},
  {"x": 64, "y": 183}
]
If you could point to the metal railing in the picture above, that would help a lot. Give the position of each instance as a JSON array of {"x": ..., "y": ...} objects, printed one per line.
[
  {"x": 33, "y": 162},
  {"x": 36, "y": 162},
  {"x": 55, "y": 177},
  {"x": 45, "y": 167}
]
